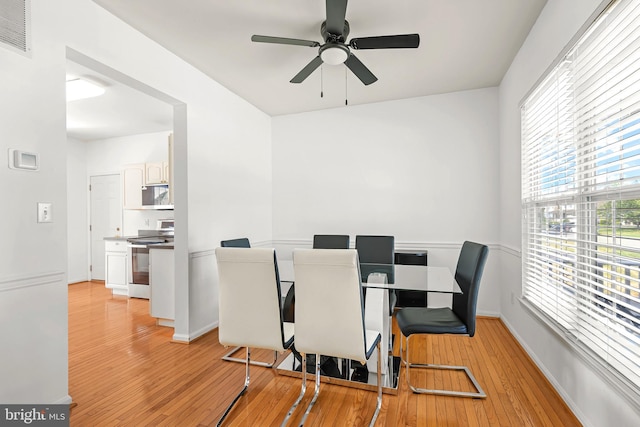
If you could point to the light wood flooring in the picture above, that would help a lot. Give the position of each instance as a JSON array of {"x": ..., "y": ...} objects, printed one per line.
[{"x": 124, "y": 371}]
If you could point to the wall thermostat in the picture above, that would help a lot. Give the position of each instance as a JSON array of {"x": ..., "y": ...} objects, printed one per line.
[{"x": 22, "y": 160}]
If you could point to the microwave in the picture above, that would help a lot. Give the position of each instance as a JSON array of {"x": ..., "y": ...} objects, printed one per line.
[{"x": 156, "y": 196}]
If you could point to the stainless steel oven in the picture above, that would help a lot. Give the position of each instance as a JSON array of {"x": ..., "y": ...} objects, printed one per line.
[
  {"x": 138, "y": 251},
  {"x": 139, "y": 265}
]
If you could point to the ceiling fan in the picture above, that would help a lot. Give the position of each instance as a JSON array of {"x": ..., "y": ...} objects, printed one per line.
[{"x": 335, "y": 50}]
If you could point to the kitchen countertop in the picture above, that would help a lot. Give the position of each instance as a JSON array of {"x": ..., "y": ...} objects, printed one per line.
[
  {"x": 119, "y": 238},
  {"x": 167, "y": 245}
]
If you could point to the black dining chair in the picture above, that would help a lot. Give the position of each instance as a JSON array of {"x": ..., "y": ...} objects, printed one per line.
[
  {"x": 460, "y": 319},
  {"x": 236, "y": 243},
  {"x": 330, "y": 241},
  {"x": 411, "y": 298},
  {"x": 377, "y": 255}
]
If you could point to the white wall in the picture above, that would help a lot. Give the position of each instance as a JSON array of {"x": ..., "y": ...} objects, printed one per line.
[
  {"x": 108, "y": 156},
  {"x": 591, "y": 398},
  {"x": 223, "y": 147},
  {"x": 33, "y": 261},
  {"x": 423, "y": 169}
]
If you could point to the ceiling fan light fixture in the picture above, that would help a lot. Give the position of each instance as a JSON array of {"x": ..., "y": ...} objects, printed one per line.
[{"x": 334, "y": 55}]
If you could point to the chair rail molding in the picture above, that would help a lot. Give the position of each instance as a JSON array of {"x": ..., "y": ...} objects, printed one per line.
[
  {"x": 25, "y": 281},
  {"x": 399, "y": 245},
  {"x": 510, "y": 250}
]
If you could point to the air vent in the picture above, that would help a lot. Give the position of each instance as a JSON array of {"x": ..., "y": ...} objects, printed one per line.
[{"x": 15, "y": 24}]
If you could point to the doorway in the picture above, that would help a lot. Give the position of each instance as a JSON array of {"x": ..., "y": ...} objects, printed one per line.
[
  {"x": 105, "y": 213},
  {"x": 119, "y": 125}
]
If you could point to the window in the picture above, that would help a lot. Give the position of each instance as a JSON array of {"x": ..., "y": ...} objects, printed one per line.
[{"x": 581, "y": 193}]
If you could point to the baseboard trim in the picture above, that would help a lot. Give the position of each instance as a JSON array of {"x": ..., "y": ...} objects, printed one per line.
[
  {"x": 203, "y": 331},
  {"x": 65, "y": 401},
  {"x": 180, "y": 339},
  {"x": 188, "y": 339},
  {"x": 488, "y": 315},
  {"x": 556, "y": 386}
]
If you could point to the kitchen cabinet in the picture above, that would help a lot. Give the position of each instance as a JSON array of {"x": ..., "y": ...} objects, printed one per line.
[
  {"x": 115, "y": 266},
  {"x": 157, "y": 173},
  {"x": 133, "y": 181},
  {"x": 162, "y": 285},
  {"x": 136, "y": 176}
]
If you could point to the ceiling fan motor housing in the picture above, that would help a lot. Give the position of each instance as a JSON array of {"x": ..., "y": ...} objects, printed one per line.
[{"x": 336, "y": 38}]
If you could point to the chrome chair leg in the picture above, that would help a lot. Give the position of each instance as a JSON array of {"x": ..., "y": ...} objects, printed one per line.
[
  {"x": 244, "y": 389},
  {"x": 478, "y": 394},
  {"x": 403, "y": 356},
  {"x": 316, "y": 392},
  {"x": 229, "y": 358},
  {"x": 302, "y": 391},
  {"x": 379, "y": 379}
]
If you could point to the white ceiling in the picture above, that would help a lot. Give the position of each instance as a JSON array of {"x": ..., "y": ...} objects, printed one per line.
[
  {"x": 120, "y": 111},
  {"x": 464, "y": 44}
]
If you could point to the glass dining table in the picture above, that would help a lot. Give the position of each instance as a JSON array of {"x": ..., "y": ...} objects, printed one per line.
[{"x": 378, "y": 280}]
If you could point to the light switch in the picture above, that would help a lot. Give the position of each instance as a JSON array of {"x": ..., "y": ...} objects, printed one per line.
[{"x": 45, "y": 212}]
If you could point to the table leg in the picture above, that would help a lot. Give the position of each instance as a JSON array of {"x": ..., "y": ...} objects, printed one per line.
[{"x": 376, "y": 317}]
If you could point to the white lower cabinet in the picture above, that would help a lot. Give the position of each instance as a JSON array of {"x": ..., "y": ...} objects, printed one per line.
[
  {"x": 162, "y": 285},
  {"x": 115, "y": 266}
]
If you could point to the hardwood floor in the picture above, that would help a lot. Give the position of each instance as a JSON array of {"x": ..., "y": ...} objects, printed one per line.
[{"x": 124, "y": 371}]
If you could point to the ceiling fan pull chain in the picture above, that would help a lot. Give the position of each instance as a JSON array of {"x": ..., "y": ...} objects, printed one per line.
[
  {"x": 321, "y": 82},
  {"x": 346, "y": 93}
]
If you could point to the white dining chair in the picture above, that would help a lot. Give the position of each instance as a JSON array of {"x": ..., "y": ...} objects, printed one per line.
[
  {"x": 326, "y": 325},
  {"x": 250, "y": 312}
]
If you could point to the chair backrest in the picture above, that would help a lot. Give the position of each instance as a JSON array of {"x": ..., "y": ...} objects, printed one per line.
[
  {"x": 468, "y": 274},
  {"x": 236, "y": 243},
  {"x": 376, "y": 254},
  {"x": 329, "y": 308},
  {"x": 330, "y": 241},
  {"x": 375, "y": 249},
  {"x": 249, "y": 298}
]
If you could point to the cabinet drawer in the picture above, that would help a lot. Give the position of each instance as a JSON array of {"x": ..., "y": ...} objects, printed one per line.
[{"x": 115, "y": 246}]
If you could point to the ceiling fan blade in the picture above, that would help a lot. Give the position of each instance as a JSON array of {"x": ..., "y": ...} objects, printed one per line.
[
  {"x": 284, "y": 40},
  {"x": 336, "y": 12},
  {"x": 360, "y": 70},
  {"x": 400, "y": 41},
  {"x": 307, "y": 70}
]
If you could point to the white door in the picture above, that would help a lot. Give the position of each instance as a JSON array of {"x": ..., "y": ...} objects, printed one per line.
[{"x": 105, "y": 218}]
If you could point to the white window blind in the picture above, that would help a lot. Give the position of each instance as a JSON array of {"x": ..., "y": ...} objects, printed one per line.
[{"x": 581, "y": 193}]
